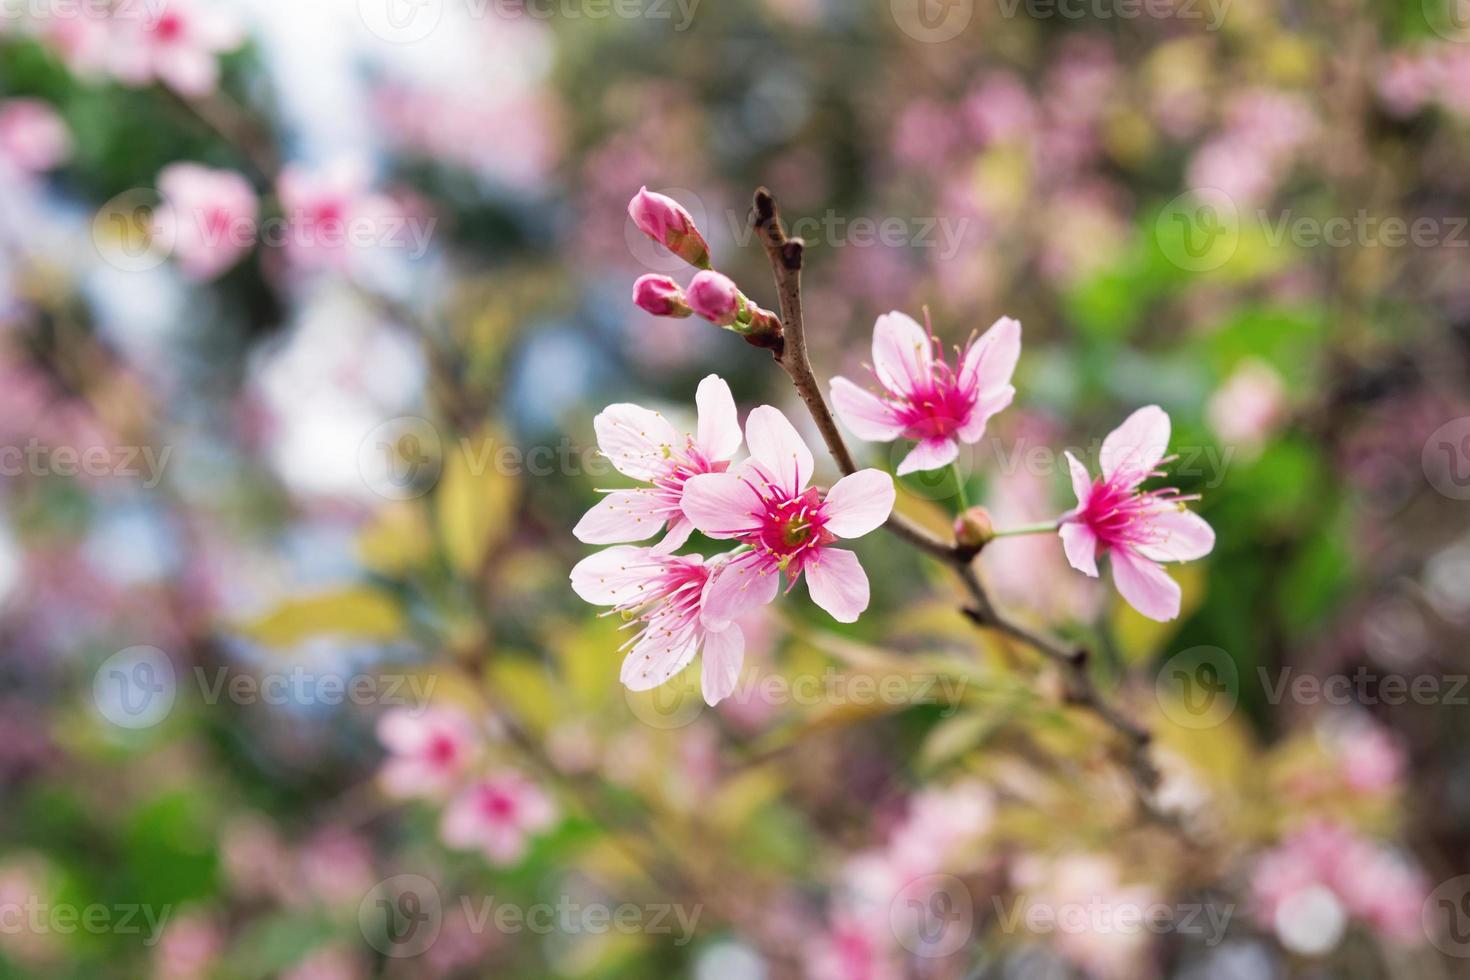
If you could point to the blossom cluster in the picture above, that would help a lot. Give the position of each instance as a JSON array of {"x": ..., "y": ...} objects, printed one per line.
[
  {"x": 173, "y": 42},
  {"x": 682, "y": 604},
  {"x": 438, "y": 755}
]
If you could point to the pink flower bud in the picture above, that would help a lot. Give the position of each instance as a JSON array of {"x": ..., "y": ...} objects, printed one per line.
[
  {"x": 973, "y": 529},
  {"x": 666, "y": 222},
  {"x": 660, "y": 296},
  {"x": 714, "y": 297}
]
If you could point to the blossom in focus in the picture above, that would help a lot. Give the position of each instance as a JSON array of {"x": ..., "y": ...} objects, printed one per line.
[
  {"x": 428, "y": 752},
  {"x": 33, "y": 139},
  {"x": 210, "y": 218},
  {"x": 665, "y": 221},
  {"x": 789, "y": 527},
  {"x": 1137, "y": 528},
  {"x": 642, "y": 444},
  {"x": 664, "y": 597},
  {"x": 926, "y": 399},
  {"x": 713, "y": 296},
  {"x": 660, "y": 296},
  {"x": 177, "y": 43},
  {"x": 496, "y": 816},
  {"x": 1248, "y": 406}
]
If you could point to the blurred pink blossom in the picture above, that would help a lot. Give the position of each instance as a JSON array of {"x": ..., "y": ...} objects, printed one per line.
[
  {"x": 428, "y": 753},
  {"x": 33, "y": 139},
  {"x": 210, "y": 218},
  {"x": 189, "y": 948},
  {"x": 177, "y": 42},
  {"x": 496, "y": 816},
  {"x": 329, "y": 212},
  {"x": 1248, "y": 407}
]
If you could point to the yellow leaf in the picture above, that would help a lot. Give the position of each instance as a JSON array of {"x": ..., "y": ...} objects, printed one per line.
[
  {"x": 358, "y": 612},
  {"x": 524, "y": 686},
  {"x": 740, "y": 797},
  {"x": 475, "y": 501},
  {"x": 396, "y": 541}
]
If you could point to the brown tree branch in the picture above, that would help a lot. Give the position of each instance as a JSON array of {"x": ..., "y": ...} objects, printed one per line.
[{"x": 786, "y": 255}]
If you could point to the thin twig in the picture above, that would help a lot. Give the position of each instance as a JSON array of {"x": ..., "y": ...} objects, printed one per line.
[{"x": 786, "y": 255}]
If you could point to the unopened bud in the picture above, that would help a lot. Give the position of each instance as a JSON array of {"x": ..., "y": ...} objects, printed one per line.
[
  {"x": 714, "y": 297},
  {"x": 974, "y": 529},
  {"x": 665, "y": 221},
  {"x": 660, "y": 296}
]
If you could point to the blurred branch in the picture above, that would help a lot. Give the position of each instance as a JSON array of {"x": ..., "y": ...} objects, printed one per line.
[{"x": 786, "y": 255}]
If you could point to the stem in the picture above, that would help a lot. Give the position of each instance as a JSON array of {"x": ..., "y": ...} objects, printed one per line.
[
  {"x": 786, "y": 256},
  {"x": 1045, "y": 527},
  {"x": 959, "y": 486}
]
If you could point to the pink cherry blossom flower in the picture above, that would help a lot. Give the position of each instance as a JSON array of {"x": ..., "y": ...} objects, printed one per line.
[
  {"x": 496, "y": 816},
  {"x": 660, "y": 296},
  {"x": 210, "y": 219},
  {"x": 1137, "y": 528},
  {"x": 1249, "y": 406},
  {"x": 851, "y": 950},
  {"x": 713, "y": 296},
  {"x": 177, "y": 43},
  {"x": 665, "y": 221},
  {"x": 789, "y": 527},
  {"x": 1324, "y": 861},
  {"x": 33, "y": 139},
  {"x": 429, "y": 752},
  {"x": 664, "y": 597},
  {"x": 327, "y": 213},
  {"x": 642, "y": 444},
  {"x": 924, "y": 398}
]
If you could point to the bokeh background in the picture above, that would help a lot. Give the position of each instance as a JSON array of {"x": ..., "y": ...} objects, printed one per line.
[{"x": 283, "y": 564}]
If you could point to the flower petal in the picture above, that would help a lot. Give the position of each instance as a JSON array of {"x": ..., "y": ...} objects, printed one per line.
[
  {"x": 721, "y": 505},
  {"x": 613, "y": 575},
  {"x": 991, "y": 361},
  {"x": 1184, "y": 536},
  {"x": 1081, "y": 481},
  {"x": 623, "y": 515},
  {"x": 837, "y": 582},
  {"x": 779, "y": 449},
  {"x": 1146, "y": 586},
  {"x": 658, "y": 655},
  {"x": 903, "y": 356},
  {"x": 931, "y": 454},
  {"x": 718, "y": 436},
  {"x": 869, "y": 417},
  {"x": 859, "y": 503},
  {"x": 635, "y": 440},
  {"x": 724, "y": 654},
  {"x": 679, "y": 532},
  {"x": 740, "y": 585},
  {"x": 1080, "y": 544},
  {"x": 1133, "y": 449},
  {"x": 990, "y": 404}
]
